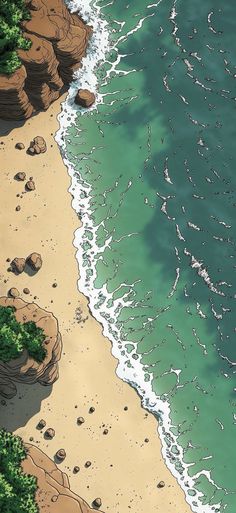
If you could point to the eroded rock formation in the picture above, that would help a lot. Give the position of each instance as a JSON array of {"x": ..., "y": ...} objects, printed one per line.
[
  {"x": 53, "y": 494},
  {"x": 24, "y": 369},
  {"x": 59, "y": 41}
]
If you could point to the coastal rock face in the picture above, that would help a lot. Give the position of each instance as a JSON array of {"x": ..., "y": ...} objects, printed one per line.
[
  {"x": 85, "y": 98},
  {"x": 59, "y": 41},
  {"x": 24, "y": 369},
  {"x": 53, "y": 494}
]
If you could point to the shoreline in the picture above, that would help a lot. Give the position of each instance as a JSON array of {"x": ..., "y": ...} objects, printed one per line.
[{"x": 87, "y": 368}]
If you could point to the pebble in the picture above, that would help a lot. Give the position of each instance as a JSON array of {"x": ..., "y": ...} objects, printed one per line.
[
  {"x": 76, "y": 470},
  {"x": 50, "y": 433},
  {"x": 105, "y": 432},
  {"x": 88, "y": 464},
  {"x": 26, "y": 291},
  {"x": 30, "y": 185},
  {"x": 92, "y": 409},
  {"x": 20, "y": 146},
  {"x": 97, "y": 502},
  {"x": 80, "y": 420},
  {"x": 18, "y": 208},
  {"x": 161, "y": 484},
  {"x": 21, "y": 176},
  {"x": 13, "y": 292},
  {"x": 61, "y": 454},
  {"x": 41, "y": 424}
]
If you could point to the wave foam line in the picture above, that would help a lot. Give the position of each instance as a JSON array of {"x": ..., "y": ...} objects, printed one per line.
[{"x": 80, "y": 191}]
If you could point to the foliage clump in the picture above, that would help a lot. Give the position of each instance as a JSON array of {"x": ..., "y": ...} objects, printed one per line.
[
  {"x": 17, "y": 490},
  {"x": 12, "y": 13},
  {"x": 16, "y": 336}
]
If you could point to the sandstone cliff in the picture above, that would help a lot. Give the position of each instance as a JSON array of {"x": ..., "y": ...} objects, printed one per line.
[
  {"x": 53, "y": 494},
  {"x": 25, "y": 369},
  {"x": 59, "y": 41}
]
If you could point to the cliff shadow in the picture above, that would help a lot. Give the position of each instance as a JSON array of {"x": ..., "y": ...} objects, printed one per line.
[
  {"x": 15, "y": 412},
  {"x": 6, "y": 127}
]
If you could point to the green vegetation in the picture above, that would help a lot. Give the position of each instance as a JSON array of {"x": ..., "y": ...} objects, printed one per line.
[
  {"x": 12, "y": 13},
  {"x": 16, "y": 336},
  {"x": 17, "y": 490}
]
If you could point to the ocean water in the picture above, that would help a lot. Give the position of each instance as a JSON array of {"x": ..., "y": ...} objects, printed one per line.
[{"x": 153, "y": 181}]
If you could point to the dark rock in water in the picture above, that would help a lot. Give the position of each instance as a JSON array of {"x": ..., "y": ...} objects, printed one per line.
[
  {"x": 61, "y": 454},
  {"x": 85, "y": 98},
  {"x": 13, "y": 292},
  {"x": 161, "y": 484},
  {"x": 80, "y": 420},
  {"x": 30, "y": 185},
  {"x": 97, "y": 503},
  {"x": 21, "y": 176},
  {"x": 18, "y": 265},
  {"x": 50, "y": 433},
  {"x": 20, "y": 146},
  {"x": 41, "y": 424},
  {"x": 35, "y": 261}
]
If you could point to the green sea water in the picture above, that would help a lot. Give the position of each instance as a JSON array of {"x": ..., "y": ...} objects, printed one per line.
[{"x": 156, "y": 163}]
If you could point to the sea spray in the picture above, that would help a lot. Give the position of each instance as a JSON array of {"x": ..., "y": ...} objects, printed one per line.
[{"x": 108, "y": 316}]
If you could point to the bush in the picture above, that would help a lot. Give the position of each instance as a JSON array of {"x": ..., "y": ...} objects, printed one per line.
[
  {"x": 17, "y": 490},
  {"x": 16, "y": 336},
  {"x": 12, "y": 13}
]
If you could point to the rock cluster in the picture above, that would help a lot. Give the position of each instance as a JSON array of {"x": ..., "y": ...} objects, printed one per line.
[
  {"x": 37, "y": 146},
  {"x": 58, "y": 43},
  {"x": 34, "y": 261},
  {"x": 24, "y": 369},
  {"x": 53, "y": 493}
]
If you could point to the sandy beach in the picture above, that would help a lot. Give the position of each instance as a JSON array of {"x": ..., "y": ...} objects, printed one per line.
[{"x": 126, "y": 463}]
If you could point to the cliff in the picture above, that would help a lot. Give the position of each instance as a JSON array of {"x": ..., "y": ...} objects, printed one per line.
[
  {"x": 59, "y": 41},
  {"x": 53, "y": 494},
  {"x": 24, "y": 369}
]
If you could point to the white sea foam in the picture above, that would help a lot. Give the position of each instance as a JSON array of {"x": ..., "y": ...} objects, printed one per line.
[{"x": 134, "y": 375}]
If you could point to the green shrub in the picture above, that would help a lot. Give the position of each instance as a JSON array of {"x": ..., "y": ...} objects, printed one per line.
[
  {"x": 17, "y": 490},
  {"x": 12, "y": 13},
  {"x": 16, "y": 336}
]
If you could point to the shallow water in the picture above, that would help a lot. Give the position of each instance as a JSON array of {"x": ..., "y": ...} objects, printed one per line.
[{"x": 154, "y": 183}]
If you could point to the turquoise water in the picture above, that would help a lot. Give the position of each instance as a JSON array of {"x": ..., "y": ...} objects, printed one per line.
[{"x": 158, "y": 161}]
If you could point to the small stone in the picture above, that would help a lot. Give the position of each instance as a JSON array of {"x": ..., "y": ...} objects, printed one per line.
[
  {"x": 146, "y": 440},
  {"x": 105, "y": 432},
  {"x": 26, "y": 291},
  {"x": 8, "y": 259},
  {"x": 31, "y": 150},
  {"x": 76, "y": 470},
  {"x": 37, "y": 146},
  {"x": 97, "y": 502},
  {"x": 14, "y": 292},
  {"x": 18, "y": 265},
  {"x": 50, "y": 433},
  {"x": 18, "y": 208},
  {"x": 61, "y": 454},
  {"x": 41, "y": 424},
  {"x": 88, "y": 464},
  {"x": 54, "y": 498},
  {"x": 30, "y": 185},
  {"x": 80, "y": 420},
  {"x": 31, "y": 439},
  {"x": 34, "y": 261},
  {"x": 54, "y": 285},
  {"x": 161, "y": 484},
  {"x": 92, "y": 409},
  {"x": 126, "y": 408},
  {"x": 20, "y": 146},
  {"x": 84, "y": 98},
  {"x": 21, "y": 176}
]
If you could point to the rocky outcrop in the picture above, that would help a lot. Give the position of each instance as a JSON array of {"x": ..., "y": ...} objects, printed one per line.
[
  {"x": 85, "y": 98},
  {"x": 24, "y": 369},
  {"x": 53, "y": 494},
  {"x": 59, "y": 41}
]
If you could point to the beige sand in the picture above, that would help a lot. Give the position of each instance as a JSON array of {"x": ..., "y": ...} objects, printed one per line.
[{"x": 125, "y": 469}]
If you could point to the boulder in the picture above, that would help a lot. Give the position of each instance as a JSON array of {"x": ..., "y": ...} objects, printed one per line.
[
  {"x": 25, "y": 369},
  {"x": 37, "y": 146},
  {"x": 21, "y": 176},
  {"x": 14, "y": 292},
  {"x": 19, "y": 146},
  {"x": 30, "y": 185},
  {"x": 35, "y": 261},
  {"x": 18, "y": 265},
  {"x": 84, "y": 98}
]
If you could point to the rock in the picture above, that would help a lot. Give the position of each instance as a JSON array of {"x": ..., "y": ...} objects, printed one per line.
[
  {"x": 18, "y": 265},
  {"x": 126, "y": 408},
  {"x": 80, "y": 420},
  {"x": 50, "y": 433},
  {"x": 30, "y": 185},
  {"x": 97, "y": 502},
  {"x": 20, "y": 146},
  {"x": 21, "y": 176},
  {"x": 37, "y": 146},
  {"x": 161, "y": 484},
  {"x": 88, "y": 464},
  {"x": 61, "y": 454},
  {"x": 41, "y": 424},
  {"x": 92, "y": 409},
  {"x": 53, "y": 492},
  {"x": 54, "y": 285},
  {"x": 35, "y": 261},
  {"x": 105, "y": 432},
  {"x": 18, "y": 208},
  {"x": 84, "y": 98},
  {"x": 14, "y": 292},
  {"x": 24, "y": 369},
  {"x": 26, "y": 291},
  {"x": 76, "y": 470},
  {"x": 146, "y": 440}
]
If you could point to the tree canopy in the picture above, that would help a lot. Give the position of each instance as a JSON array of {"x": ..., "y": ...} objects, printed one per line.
[
  {"x": 12, "y": 13},
  {"x": 16, "y": 336}
]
